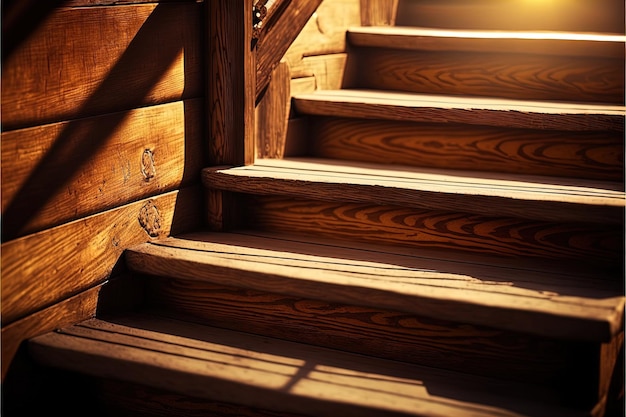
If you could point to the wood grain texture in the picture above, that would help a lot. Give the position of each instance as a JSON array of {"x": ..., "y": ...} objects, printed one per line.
[
  {"x": 324, "y": 34},
  {"x": 278, "y": 38},
  {"x": 328, "y": 70},
  {"x": 556, "y": 299},
  {"x": 379, "y": 12},
  {"x": 380, "y": 333},
  {"x": 42, "y": 269},
  {"x": 589, "y": 45},
  {"x": 278, "y": 375},
  {"x": 593, "y": 155},
  {"x": 273, "y": 115},
  {"x": 67, "y": 312},
  {"x": 68, "y": 68},
  {"x": 505, "y": 75},
  {"x": 364, "y": 104},
  {"x": 123, "y": 398},
  {"x": 566, "y": 15},
  {"x": 498, "y": 195},
  {"x": 230, "y": 83},
  {"x": 423, "y": 229},
  {"x": 57, "y": 173}
]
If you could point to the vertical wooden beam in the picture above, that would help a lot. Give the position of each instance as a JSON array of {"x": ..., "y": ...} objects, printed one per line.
[
  {"x": 231, "y": 93},
  {"x": 231, "y": 82},
  {"x": 379, "y": 12},
  {"x": 273, "y": 114}
]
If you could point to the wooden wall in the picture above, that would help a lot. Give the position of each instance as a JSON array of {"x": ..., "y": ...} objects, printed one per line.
[{"x": 102, "y": 144}]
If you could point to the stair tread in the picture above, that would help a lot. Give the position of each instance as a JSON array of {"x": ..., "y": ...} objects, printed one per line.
[
  {"x": 535, "y": 42},
  {"x": 536, "y": 197},
  {"x": 378, "y": 104},
  {"x": 553, "y": 299},
  {"x": 272, "y": 374}
]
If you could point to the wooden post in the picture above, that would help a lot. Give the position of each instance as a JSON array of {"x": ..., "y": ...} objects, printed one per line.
[{"x": 378, "y": 12}]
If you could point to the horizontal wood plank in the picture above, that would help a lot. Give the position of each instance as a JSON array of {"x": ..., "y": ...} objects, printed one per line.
[
  {"x": 67, "y": 312},
  {"x": 484, "y": 74},
  {"x": 538, "y": 198},
  {"x": 277, "y": 375},
  {"x": 156, "y": 58},
  {"x": 444, "y": 230},
  {"x": 553, "y": 15},
  {"x": 471, "y": 291},
  {"x": 569, "y": 44},
  {"x": 372, "y": 104},
  {"x": 57, "y": 173},
  {"x": 592, "y": 155},
  {"x": 44, "y": 268},
  {"x": 381, "y": 333}
]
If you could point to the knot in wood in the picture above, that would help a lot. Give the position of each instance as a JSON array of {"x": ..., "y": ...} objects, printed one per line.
[
  {"x": 150, "y": 219},
  {"x": 148, "y": 170}
]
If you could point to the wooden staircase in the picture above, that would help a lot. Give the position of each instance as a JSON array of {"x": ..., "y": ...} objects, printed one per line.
[{"x": 451, "y": 243}]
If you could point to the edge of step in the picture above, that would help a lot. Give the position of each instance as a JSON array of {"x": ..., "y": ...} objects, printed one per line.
[
  {"x": 593, "y": 45},
  {"x": 531, "y": 197},
  {"x": 384, "y": 105},
  {"x": 272, "y": 374},
  {"x": 571, "y": 303}
]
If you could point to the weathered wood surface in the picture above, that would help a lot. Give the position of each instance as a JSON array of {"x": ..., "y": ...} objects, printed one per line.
[
  {"x": 529, "y": 197},
  {"x": 440, "y": 229},
  {"x": 324, "y": 34},
  {"x": 57, "y": 173},
  {"x": 594, "y": 155},
  {"x": 594, "y": 45},
  {"x": 69, "y": 68},
  {"x": 566, "y": 15},
  {"x": 524, "y": 114},
  {"x": 381, "y": 333},
  {"x": 569, "y": 304},
  {"x": 230, "y": 83},
  {"x": 278, "y": 38},
  {"x": 278, "y": 375},
  {"x": 503, "y": 75},
  {"x": 42, "y": 269},
  {"x": 272, "y": 115},
  {"x": 378, "y": 12},
  {"x": 328, "y": 71},
  {"x": 67, "y": 312}
]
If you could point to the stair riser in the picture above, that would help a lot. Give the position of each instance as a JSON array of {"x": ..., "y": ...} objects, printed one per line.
[
  {"x": 591, "y": 155},
  {"x": 560, "y": 15},
  {"x": 424, "y": 229},
  {"x": 569, "y": 367},
  {"x": 513, "y": 76}
]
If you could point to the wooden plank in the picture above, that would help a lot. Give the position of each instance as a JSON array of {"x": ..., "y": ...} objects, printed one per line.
[
  {"x": 328, "y": 70},
  {"x": 503, "y": 75},
  {"x": 569, "y": 304},
  {"x": 278, "y": 375},
  {"x": 324, "y": 34},
  {"x": 379, "y": 12},
  {"x": 156, "y": 58},
  {"x": 61, "y": 172},
  {"x": 41, "y": 269},
  {"x": 593, "y": 155},
  {"x": 538, "y": 198},
  {"x": 381, "y": 333},
  {"x": 439, "y": 229},
  {"x": 67, "y": 312},
  {"x": 364, "y": 104},
  {"x": 564, "y": 15},
  {"x": 273, "y": 114},
  {"x": 230, "y": 83},
  {"x": 594, "y": 45},
  {"x": 278, "y": 38}
]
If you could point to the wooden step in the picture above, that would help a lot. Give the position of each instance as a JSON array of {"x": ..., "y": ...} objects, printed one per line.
[
  {"x": 517, "y": 65},
  {"x": 539, "y": 198},
  {"x": 372, "y": 104},
  {"x": 555, "y": 300},
  {"x": 275, "y": 375},
  {"x": 553, "y": 15},
  {"x": 591, "y": 155}
]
